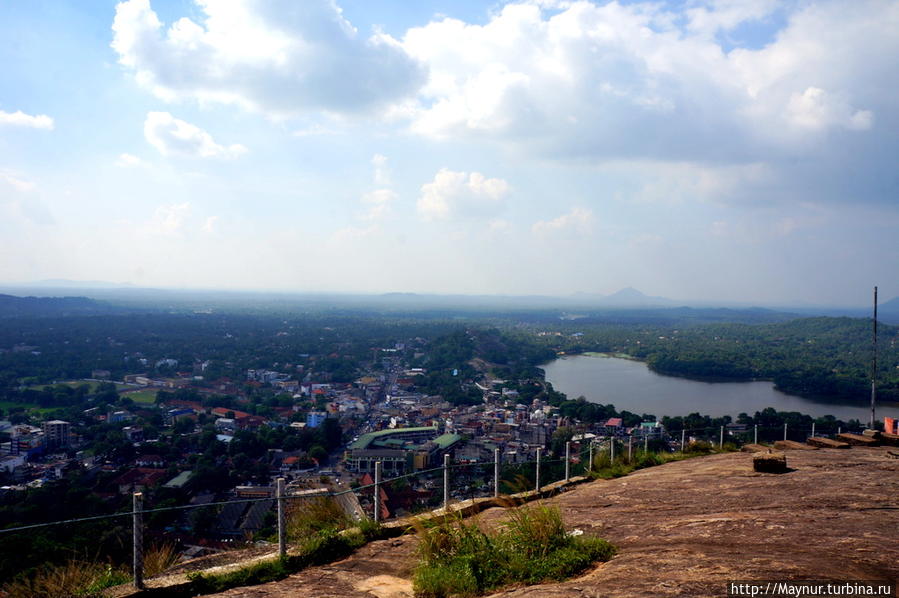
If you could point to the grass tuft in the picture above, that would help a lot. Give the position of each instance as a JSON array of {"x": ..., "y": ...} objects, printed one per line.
[
  {"x": 75, "y": 578},
  {"x": 460, "y": 558}
]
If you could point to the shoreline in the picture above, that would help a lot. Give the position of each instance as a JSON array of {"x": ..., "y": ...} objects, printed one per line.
[{"x": 834, "y": 400}]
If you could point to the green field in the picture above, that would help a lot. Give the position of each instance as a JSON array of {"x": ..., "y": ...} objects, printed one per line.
[
  {"x": 7, "y": 405},
  {"x": 146, "y": 397},
  {"x": 75, "y": 383}
]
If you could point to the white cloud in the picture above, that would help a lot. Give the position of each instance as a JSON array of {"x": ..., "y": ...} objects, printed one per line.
[
  {"x": 20, "y": 119},
  {"x": 378, "y": 202},
  {"x": 460, "y": 195},
  {"x": 707, "y": 18},
  {"x": 499, "y": 225},
  {"x": 578, "y": 221},
  {"x": 17, "y": 183},
  {"x": 129, "y": 161},
  {"x": 816, "y": 110},
  {"x": 169, "y": 220},
  {"x": 382, "y": 173},
  {"x": 174, "y": 137},
  {"x": 640, "y": 80},
  {"x": 281, "y": 57},
  {"x": 209, "y": 224},
  {"x": 18, "y": 198}
]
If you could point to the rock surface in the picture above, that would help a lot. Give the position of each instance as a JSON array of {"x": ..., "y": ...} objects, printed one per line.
[{"x": 685, "y": 529}]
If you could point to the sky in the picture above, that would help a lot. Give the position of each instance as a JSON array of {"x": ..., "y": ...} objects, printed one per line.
[{"x": 714, "y": 150}]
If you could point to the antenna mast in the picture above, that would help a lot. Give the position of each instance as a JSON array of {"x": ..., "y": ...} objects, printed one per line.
[{"x": 874, "y": 364}]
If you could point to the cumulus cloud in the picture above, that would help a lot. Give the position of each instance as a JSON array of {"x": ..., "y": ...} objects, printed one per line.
[
  {"x": 280, "y": 57},
  {"x": 578, "y": 221},
  {"x": 169, "y": 220},
  {"x": 378, "y": 202},
  {"x": 17, "y": 183},
  {"x": 174, "y": 137},
  {"x": 20, "y": 119},
  {"x": 209, "y": 224},
  {"x": 129, "y": 161},
  {"x": 815, "y": 109},
  {"x": 460, "y": 195},
  {"x": 639, "y": 80},
  {"x": 382, "y": 173},
  {"x": 18, "y": 198}
]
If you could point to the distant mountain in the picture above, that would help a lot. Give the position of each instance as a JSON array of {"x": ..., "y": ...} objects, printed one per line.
[
  {"x": 631, "y": 297},
  {"x": 889, "y": 311},
  {"x": 63, "y": 283},
  {"x": 12, "y": 306}
]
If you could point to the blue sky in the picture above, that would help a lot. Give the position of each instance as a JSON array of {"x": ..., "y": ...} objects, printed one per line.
[{"x": 732, "y": 150}]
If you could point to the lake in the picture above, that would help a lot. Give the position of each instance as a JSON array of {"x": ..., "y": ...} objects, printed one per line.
[{"x": 630, "y": 385}]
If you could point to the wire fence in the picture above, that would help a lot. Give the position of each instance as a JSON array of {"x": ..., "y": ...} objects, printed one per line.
[{"x": 210, "y": 525}]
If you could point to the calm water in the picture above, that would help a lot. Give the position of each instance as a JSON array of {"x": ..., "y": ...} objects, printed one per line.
[{"x": 631, "y": 385}]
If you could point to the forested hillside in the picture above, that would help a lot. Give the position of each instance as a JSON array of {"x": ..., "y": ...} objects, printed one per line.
[{"x": 807, "y": 356}]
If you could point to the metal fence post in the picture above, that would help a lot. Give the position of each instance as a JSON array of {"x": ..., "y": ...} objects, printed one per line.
[
  {"x": 590, "y": 462},
  {"x": 612, "y": 450},
  {"x": 721, "y": 438},
  {"x": 282, "y": 518},
  {"x": 538, "y": 470},
  {"x": 683, "y": 438},
  {"x": 813, "y": 429},
  {"x": 630, "y": 448},
  {"x": 137, "y": 515},
  {"x": 495, "y": 472},
  {"x": 839, "y": 430},
  {"x": 446, "y": 482},
  {"x": 785, "y": 430},
  {"x": 756, "y": 436},
  {"x": 646, "y": 443},
  {"x": 567, "y": 461},
  {"x": 376, "y": 514}
]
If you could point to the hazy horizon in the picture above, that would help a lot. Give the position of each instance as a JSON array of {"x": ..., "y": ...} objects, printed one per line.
[
  {"x": 64, "y": 287},
  {"x": 716, "y": 151}
]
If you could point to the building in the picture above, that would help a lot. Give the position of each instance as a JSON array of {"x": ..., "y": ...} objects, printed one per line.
[
  {"x": 315, "y": 418},
  {"x": 399, "y": 450},
  {"x": 56, "y": 434},
  {"x": 891, "y": 425}
]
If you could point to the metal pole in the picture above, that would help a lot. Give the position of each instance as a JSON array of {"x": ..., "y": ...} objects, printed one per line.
[
  {"x": 646, "y": 443},
  {"x": 612, "y": 450},
  {"x": 137, "y": 516},
  {"x": 813, "y": 429},
  {"x": 683, "y": 438},
  {"x": 377, "y": 507},
  {"x": 839, "y": 430},
  {"x": 590, "y": 462},
  {"x": 538, "y": 470},
  {"x": 282, "y": 518},
  {"x": 446, "y": 482},
  {"x": 874, "y": 365},
  {"x": 721, "y": 438},
  {"x": 495, "y": 472},
  {"x": 630, "y": 448},
  {"x": 756, "y": 436},
  {"x": 567, "y": 461},
  {"x": 785, "y": 430}
]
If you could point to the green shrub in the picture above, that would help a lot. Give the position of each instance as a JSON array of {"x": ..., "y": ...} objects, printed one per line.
[{"x": 459, "y": 558}]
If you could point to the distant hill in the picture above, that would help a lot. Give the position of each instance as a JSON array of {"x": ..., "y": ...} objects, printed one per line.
[
  {"x": 889, "y": 311},
  {"x": 12, "y": 306},
  {"x": 64, "y": 283},
  {"x": 631, "y": 297}
]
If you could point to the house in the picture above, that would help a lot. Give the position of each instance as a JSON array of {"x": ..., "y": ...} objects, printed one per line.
[
  {"x": 135, "y": 480},
  {"x": 891, "y": 425},
  {"x": 154, "y": 461}
]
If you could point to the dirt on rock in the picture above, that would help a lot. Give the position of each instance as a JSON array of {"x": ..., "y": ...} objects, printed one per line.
[{"x": 685, "y": 529}]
